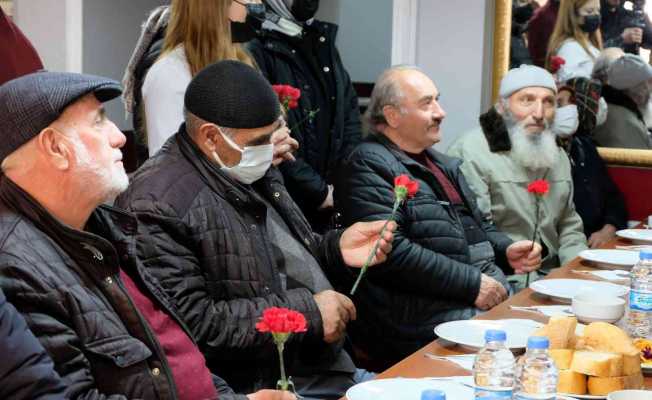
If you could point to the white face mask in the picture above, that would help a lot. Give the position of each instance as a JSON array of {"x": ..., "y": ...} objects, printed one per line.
[
  {"x": 566, "y": 121},
  {"x": 254, "y": 162},
  {"x": 601, "y": 116}
]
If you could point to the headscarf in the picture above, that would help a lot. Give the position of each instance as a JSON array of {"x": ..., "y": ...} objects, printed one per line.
[{"x": 586, "y": 95}]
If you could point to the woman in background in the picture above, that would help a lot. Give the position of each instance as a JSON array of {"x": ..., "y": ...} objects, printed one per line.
[{"x": 576, "y": 37}]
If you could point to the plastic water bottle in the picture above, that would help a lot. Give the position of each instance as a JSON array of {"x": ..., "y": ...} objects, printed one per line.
[
  {"x": 640, "y": 297},
  {"x": 493, "y": 368},
  {"x": 433, "y": 394},
  {"x": 536, "y": 373}
]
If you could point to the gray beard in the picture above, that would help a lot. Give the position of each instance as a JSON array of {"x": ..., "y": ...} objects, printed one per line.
[{"x": 530, "y": 150}]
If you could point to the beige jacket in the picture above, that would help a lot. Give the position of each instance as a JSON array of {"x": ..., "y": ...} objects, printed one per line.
[{"x": 501, "y": 188}]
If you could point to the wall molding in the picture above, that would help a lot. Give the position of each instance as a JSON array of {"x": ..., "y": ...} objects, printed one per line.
[{"x": 404, "y": 31}]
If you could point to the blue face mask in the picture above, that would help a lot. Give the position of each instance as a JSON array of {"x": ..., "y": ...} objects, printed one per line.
[{"x": 254, "y": 162}]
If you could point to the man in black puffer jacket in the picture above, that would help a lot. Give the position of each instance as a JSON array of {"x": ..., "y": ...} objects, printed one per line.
[
  {"x": 26, "y": 372},
  {"x": 448, "y": 261},
  {"x": 226, "y": 241},
  {"x": 291, "y": 51},
  {"x": 68, "y": 264}
]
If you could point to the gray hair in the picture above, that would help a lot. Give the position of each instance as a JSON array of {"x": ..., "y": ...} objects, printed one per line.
[
  {"x": 386, "y": 93},
  {"x": 193, "y": 123},
  {"x": 604, "y": 61}
]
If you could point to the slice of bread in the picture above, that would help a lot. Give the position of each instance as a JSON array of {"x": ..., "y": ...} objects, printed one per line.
[
  {"x": 603, "y": 386},
  {"x": 597, "y": 363},
  {"x": 560, "y": 331},
  {"x": 562, "y": 357},
  {"x": 571, "y": 382},
  {"x": 601, "y": 336},
  {"x": 631, "y": 364}
]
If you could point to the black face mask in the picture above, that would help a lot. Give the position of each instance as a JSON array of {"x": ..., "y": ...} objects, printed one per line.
[
  {"x": 242, "y": 32},
  {"x": 591, "y": 23},
  {"x": 303, "y": 10},
  {"x": 523, "y": 14}
]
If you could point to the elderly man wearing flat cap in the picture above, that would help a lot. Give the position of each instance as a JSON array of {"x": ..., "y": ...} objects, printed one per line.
[
  {"x": 448, "y": 261},
  {"x": 513, "y": 147},
  {"x": 227, "y": 241},
  {"x": 69, "y": 264},
  {"x": 627, "y": 94}
]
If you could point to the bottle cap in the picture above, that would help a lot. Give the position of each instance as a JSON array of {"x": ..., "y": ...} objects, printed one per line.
[
  {"x": 495, "y": 335},
  {"x": 645, "y": 255},
  {"x": 433, "y": 394},
  {"x": 538, "y": 342}
]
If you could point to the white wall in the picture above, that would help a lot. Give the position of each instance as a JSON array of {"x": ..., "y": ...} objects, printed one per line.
[
  {"x": 54, "y": 28},
  {"x": 451, "y": 50},
  {"x": 364, "y": 37}
]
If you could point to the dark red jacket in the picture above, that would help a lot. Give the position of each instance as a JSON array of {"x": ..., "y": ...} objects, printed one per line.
[
  {"x": 540, "y": 30},
  {"x": 16, "y": 52}
]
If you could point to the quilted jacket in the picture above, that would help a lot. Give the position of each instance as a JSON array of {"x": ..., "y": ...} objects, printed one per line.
[
  {"x": 207, "y": 245},
  {"x": 66, "y": 284},
  {"x": 427, "y": 278}
]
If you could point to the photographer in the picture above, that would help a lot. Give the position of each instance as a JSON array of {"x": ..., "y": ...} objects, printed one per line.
[{"x": 626, "y": 25}]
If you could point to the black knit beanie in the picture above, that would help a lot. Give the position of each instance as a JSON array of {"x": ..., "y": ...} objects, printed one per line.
[{"x": 232, "y": 94}]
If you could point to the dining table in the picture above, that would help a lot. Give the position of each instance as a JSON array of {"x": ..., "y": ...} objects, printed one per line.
[{"x": 421, "y": 364}]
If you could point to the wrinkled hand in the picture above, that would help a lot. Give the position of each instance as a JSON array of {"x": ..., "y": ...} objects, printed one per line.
[
  {"x": 521, "y": 258},
  {"x": 601, "y": 237},
  {"x": 336, "y": 311},
  {"x": 491, "y": 293},
  {"x": 284, "y": 145},
  {"x": 632, "y": 35},
  {"x": 328, "y": 201},
  {"x": 267, "y": 394},
  {"x": 359, "y": 239}
]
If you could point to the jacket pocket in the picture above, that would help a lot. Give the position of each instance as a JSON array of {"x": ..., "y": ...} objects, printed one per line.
[{"x": 124, "y": 351}]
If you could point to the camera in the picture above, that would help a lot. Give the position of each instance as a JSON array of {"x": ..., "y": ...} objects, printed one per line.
[{"x": 636, "y": 20}]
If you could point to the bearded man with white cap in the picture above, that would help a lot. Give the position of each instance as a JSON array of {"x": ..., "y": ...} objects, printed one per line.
[
  {"x": 513, "y": 147},
  {"x": 628, "y": 95}
]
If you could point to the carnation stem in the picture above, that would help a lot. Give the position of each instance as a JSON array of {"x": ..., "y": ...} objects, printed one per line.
[
  {"x": 311, "y": 115},
  {"x": 283, "y": 382},
  {"x": 534, "y": 236},
  {"x": 371, "y": 256}
]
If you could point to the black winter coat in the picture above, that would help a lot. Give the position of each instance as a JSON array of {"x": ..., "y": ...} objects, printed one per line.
[
  {"x": 66, "y": 283},
  {"x": 427, "y": 277},
  {"x": 597, "y": 199},
  {"x": 208, "y": 247},
  {"x": 26, "y": 370},
  {"x": 320, "y": 152}
]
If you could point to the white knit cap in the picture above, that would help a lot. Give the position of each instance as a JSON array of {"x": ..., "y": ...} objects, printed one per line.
[
  {"x": 628, "y": 71},
  {"x": 525, "y": 76}
]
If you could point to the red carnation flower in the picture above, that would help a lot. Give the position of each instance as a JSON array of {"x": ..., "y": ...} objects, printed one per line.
[
  {"x": 281, "y": 320},
  {"x": 288, "y": 96},
  {"x": 405, "y": 187},
  {"x": 555, "y": 63},
  {"x": 539, "y": 187}
]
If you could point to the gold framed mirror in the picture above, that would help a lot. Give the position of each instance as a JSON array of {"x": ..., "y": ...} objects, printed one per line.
[{"x": 501, "y": 44}]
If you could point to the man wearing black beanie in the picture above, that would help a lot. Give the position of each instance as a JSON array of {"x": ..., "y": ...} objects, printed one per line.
[{"x": 226, "y": 240}]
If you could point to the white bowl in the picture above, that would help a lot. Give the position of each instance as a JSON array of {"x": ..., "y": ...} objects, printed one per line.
[
  {"x": 630, "y": 395},
  {"x": 593, "y": 306}
]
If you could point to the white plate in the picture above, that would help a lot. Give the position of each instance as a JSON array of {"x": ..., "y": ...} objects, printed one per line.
[
  {"x": 406, "y": 389},
  {"x": 580, "y": 396},
  {"x": 643, "y": 236},
  {"x": 646, "y": 368},
  {"x": 470, "y": 333},
  {"x": 564, "y": 290},
  {"x": 611, "y": 258},
  {"x": 410, "y": 389}
]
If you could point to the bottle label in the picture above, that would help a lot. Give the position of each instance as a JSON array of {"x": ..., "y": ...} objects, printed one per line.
[
  {"x": 640, "y": 300},
  {"x": 488, "y": 394}
]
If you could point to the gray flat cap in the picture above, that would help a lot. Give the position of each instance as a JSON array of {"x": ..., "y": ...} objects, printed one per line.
[
  {"x": 525, "y": 76},
  {"x": 628, "y": 71},
  {"x": 32, "y": 102}
]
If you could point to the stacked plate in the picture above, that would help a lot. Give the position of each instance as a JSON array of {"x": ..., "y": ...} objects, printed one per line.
[
  {"x": 638, "y": 236},
  {"x": 610, "y": 259}
]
